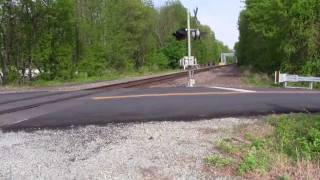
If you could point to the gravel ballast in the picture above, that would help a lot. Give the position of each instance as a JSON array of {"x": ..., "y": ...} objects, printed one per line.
[{"x": 154, "y": 150}]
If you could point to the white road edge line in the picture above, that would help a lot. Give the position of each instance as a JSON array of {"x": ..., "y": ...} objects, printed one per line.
[{"x": 232, "y": 89}]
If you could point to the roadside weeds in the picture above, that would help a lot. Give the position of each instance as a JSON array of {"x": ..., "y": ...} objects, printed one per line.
[
  {"x": 281, "y": 147},
  {"x": 255, "y": 79}
]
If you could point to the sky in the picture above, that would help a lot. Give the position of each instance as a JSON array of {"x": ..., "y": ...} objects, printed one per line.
[{"x": 220, "y": 15}]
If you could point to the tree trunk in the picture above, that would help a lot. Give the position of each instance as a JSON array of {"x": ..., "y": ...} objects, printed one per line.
[
  {"x": 4, "y": 60},
  {"x": 77, "y": 51},
  {"x": 30, "y": 67},
  {"x": 4, "y": 69},
  {"x": 7, "y": 42}
]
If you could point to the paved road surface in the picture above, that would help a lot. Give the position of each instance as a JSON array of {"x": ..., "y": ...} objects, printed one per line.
[{"x": 161, "y": 104}]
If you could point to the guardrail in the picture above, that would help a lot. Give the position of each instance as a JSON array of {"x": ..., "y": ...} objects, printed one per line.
[{"x": 288, "y": 78}]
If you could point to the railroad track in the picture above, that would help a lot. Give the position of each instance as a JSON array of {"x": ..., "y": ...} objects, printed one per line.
[{"x": 25, "y": 103}]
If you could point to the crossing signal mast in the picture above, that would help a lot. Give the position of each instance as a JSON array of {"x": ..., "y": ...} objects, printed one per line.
[{"x": 189, "y": 62}]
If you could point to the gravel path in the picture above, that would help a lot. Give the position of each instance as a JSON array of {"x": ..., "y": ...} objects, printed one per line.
[{"x": 156, "y": 150}]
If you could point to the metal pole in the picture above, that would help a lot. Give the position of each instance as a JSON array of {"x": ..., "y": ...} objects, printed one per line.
[
  {"x": 191, "y": 70},
  {"x": 189, "y": 36}
]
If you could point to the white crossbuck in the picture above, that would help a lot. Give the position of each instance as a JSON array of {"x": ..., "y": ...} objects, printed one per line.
[{"x": 287, "y": 78}]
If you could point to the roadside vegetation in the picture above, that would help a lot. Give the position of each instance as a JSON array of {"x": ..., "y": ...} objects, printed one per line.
[
  {"x": 280, "y": 35},
  {"x": 256, "y": 78},
  {"x": 260, "y": 79},
  {"x": 80, "y": 40},
  {"x": 83, "y": 79},
  {"x": 282, "y": 147}
]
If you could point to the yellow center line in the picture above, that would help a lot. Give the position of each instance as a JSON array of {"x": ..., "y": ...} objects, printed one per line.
[
  {"x": 164, "y": 95},
  {"x": 201, "y": 94}
]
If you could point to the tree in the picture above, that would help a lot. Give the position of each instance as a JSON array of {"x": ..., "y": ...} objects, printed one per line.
[
  {"x": 279, "y": 34},
  {"x": 63, "y": 39}
]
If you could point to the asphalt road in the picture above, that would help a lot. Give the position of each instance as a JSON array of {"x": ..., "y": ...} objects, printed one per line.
[{"x": 158, "y": 104}]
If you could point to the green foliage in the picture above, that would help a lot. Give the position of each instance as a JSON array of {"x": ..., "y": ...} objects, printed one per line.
[
  {"x": 159, "y": 61},
  {"x": 280, "y": 35},
  {"x": 312, "y": 67},
  {"x": 298, "y": 136},
  {"x": 174, "y": 50},
  {"x": 218, "y": 161},
  {"x": 13, "y": 75},
  {"x": 65, "y": 38}
]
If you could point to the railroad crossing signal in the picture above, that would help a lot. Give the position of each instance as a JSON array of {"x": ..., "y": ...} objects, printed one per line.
[
  {"x": 182, "y": 34},
  {"x": 196, "y": 34},
  {"x": 189, "y": 62}
]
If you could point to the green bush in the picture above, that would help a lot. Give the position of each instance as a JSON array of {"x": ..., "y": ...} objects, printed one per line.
[
  {"x": 298, "y": 136},
  {"x": 257, "y": 157},
  {"x": 254, "y": 160}
]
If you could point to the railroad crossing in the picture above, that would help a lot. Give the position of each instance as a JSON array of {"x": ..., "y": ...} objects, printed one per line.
[{"x": 138, "y": 101}]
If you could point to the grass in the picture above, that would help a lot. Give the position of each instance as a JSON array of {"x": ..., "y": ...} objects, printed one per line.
[
  {"x": 226, "y": 146},
  {"x": 83, "y": 78},
  {"x": 218, "y": 161},
  {"x": 281, "y": 147}
]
